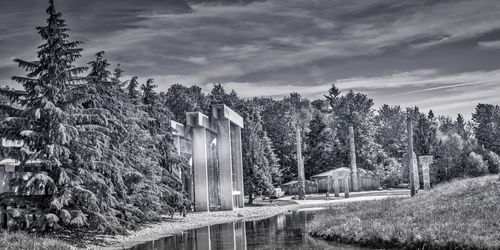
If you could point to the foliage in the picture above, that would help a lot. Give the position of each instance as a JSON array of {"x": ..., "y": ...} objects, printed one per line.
[
  {"x": 257, "y": 153},
  {"x": 321, "y": 143},
  {"x": 487, "y": 126},
  {"x": 181, "y": 99},
  {"x": 475, "y": 165},
  {"x": 493, "y": 161},
  {"x": 390, "y": 172},
  {"x": 391, "y": 130},
  {"x": 106, "y": 158},
  {"x": 424, "y": 133},
  {"x": 278, "y": 121}
]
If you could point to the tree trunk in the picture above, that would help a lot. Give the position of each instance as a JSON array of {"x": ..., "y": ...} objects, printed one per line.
[{"x": 250, "y": 199}]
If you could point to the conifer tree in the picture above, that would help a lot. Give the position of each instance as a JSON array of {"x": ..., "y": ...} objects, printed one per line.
[
  {"x": 181, "y": 99},
  {"x": 148, "y": 93},
  {"x": 132, "y": 88},
  {"x": 102, "y": 164},
  {"x": 321, "y": 142},
  {"x": 257, "y": 170},
  {"x": 355, "y": 109},
  {"x": 44, "y": 122}
]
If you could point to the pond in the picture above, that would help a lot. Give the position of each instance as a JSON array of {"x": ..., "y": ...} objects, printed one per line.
[{"x": 283, "y": 231}]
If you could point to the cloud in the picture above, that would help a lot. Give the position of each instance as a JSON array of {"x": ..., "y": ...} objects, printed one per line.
[
  {"x": 247, "y": 37},
  {"x": 490, "y": 44},
  {"x": 387, "y": 48},
  {"x": 449, "y": 94},
  {"x": 197, "y": 60}
]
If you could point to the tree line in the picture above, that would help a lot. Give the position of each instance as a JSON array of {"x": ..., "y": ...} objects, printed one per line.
[{"x": 107, "y": 155}]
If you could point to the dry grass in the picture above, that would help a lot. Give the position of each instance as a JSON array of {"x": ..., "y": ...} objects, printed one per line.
[
  {"x": 17, "y": 241},
  {"x": 463, "y": 214}
]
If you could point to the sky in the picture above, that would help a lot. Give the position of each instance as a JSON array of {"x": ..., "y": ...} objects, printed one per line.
[{"x": 442, "y": 55}]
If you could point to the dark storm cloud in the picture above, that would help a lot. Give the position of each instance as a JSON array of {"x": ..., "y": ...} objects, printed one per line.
[{"x": 385, "y": 48}]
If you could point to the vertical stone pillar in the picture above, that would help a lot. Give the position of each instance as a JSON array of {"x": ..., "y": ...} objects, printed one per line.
[
  {"x": 225, "y": 164},
  {"x": 336, "y": 187},
  {"x": 346, "y": 187},
  {"x": 200, "y": 169},
  {"x": 229, "y": 125},
  {"x": 415, "y": 173},
  {"x": 239, "y": 167},
  {"x": 411, "y": 167},
  {"x": 352, "y": 156},
  {"x": 300, "y": 163},
  {"x": 425, "y": 162}
]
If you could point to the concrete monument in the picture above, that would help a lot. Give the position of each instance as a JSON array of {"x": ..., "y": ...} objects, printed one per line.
[{"x": 213, "y": 145}]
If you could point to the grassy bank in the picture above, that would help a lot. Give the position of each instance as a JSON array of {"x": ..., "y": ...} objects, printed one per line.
[
  {"x": 463, "y": 214},
  {"x": 15, "y": 241}
]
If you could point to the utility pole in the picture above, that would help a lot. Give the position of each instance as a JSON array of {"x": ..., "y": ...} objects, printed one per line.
[
  {"x": 300, "y": 163},
  {"x": 411, "y": 167}
]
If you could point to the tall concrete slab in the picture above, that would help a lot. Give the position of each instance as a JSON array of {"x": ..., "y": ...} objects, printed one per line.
[
  {"x": 240, "y": 193},
  {"x": 200, "y": 169},
  {"x": 225, "y": 164}
]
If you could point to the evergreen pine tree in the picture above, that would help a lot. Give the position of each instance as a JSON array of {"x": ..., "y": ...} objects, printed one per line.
[
  {"x": 148, "y": 93},
  {"x": 258, "y": 171},
  {"x": 132, "y": 88},
  {"x": 321, "y": 144},
  {"x": 44, "y": 122}
]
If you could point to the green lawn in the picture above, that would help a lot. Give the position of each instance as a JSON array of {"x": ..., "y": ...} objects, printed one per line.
[
  {"x": 463, "y": 214},
  {"x": 18, "y": 241}
]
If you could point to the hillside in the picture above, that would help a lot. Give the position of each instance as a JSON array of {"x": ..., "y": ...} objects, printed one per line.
[{"x": 463, "y": 214}]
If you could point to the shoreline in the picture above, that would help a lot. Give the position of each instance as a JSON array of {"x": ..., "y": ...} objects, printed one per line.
[
  {"x": 200, "y": 219},
  {"x": 193, "y": 220}
]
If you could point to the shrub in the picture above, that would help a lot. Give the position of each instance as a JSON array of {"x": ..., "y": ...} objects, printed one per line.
[
  {"x": 493, "y": 161},
  {"x": 475, "y": 165}
]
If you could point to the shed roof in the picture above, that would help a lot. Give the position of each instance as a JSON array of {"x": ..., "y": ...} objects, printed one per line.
[
  {"x": 338, "y": 172},
  {"x": 290, "y": 183},
  {"x": 342, "y": 172}
]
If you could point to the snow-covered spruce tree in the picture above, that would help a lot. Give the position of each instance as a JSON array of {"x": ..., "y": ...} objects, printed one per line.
[{"x": 43, "y": 122}]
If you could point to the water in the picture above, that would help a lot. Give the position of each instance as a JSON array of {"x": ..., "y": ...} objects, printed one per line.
[{"x": 284, "y": 231}]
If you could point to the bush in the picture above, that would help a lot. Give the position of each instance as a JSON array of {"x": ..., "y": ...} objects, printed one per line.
[
  {"x": 493, "y": 161},
  {"x": 391, "y": 173},
  {"x": 475, "y": 165}
]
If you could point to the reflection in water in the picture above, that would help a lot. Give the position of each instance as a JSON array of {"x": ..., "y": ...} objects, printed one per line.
[{"x": 284, "y": 231}]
